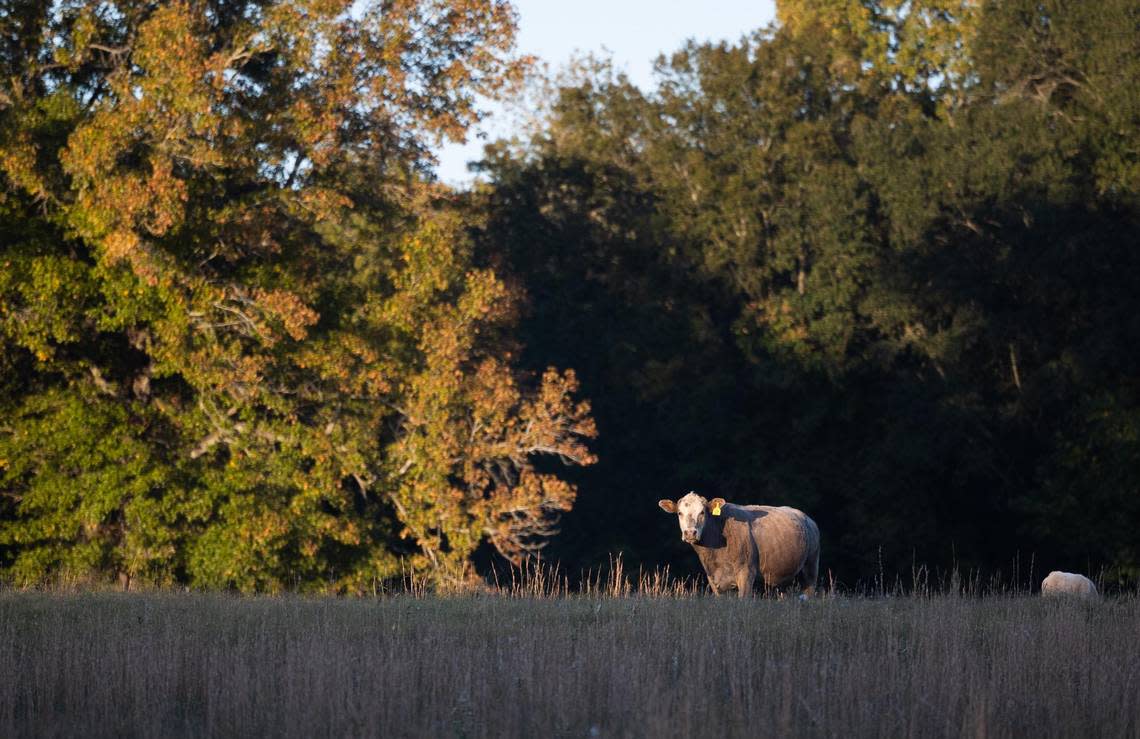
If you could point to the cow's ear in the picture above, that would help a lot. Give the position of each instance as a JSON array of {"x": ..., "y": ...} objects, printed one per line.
[
  {"x": 715, "y": 505},
  {"x": 667, "y": 505}
]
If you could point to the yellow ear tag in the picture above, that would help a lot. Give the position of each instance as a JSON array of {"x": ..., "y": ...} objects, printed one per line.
[{"x": 716, "y": 511}]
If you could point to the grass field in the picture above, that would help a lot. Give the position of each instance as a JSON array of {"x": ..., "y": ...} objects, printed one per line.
[{"x": 162, "y": 664}]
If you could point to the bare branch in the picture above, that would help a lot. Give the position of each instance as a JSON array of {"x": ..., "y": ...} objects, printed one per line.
[
  {"x": 1013, "y": 367},
  {"x": 101, "y": 383},
  {"x": 208, "y": 443},
  {"x": 360, "y": 482}
]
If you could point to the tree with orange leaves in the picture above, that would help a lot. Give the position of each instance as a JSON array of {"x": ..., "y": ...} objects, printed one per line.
[{"x": 244, "y": 344}]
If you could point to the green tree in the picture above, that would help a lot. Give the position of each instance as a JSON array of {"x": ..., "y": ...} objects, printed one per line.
[
  {"x": 1013, "y": 218},
  {"x": 251, "y": 341},
  {"x": 873, "y": 261}
]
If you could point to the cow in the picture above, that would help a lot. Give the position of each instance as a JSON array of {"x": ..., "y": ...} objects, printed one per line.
[
  {"x": 1067, "y": 583},
  {"x": 736, "y": 543}
]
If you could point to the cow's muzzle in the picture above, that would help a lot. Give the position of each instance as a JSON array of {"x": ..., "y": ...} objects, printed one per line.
[{"x": 689, "y": 537}]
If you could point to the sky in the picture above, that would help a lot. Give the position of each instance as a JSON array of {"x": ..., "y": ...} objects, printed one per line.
[{"x": 631, "y": 32}]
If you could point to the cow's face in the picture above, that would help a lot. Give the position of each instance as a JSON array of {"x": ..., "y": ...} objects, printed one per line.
[{"x": 692, "y": 512}]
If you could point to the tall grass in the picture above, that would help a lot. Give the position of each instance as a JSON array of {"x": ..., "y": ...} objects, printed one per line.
[{"x": 540, "y": 663}]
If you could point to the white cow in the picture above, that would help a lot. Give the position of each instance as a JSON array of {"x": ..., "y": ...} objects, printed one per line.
[
  {"x": 738, "y": 543},
  {"x": 1068, "y": 583}
]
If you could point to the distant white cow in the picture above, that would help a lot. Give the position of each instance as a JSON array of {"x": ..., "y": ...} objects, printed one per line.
[{"x": 1068, "y": 583}]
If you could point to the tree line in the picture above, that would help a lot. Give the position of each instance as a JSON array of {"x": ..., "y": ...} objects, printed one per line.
[{"x": 875, "y": 261}]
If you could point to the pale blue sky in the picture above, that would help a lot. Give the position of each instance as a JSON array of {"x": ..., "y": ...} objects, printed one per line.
[{"x": 632, "y": 32}]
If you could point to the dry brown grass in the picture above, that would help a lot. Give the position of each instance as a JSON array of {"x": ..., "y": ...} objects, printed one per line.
[{"x": 161, "y": 664}]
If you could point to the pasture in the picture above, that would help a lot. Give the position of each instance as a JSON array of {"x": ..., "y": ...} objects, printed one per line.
[{"x": 166, "y": 664}]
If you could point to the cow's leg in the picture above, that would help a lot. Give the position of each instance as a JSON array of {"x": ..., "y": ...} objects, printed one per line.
[
  {"x": 811, "y": 574},
  {"x": 744, "y": 581}
]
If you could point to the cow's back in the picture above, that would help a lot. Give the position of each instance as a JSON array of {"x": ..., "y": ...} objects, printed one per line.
[
  {"x": 786, "y": 538},
  {"x": 1068, "y": 583}
]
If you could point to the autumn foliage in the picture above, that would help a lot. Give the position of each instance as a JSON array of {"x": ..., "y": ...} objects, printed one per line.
[{"x": 244, "y": 343}]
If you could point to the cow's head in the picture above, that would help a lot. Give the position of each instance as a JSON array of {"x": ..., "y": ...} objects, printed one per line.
[{"x": 692, "y": 512}]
